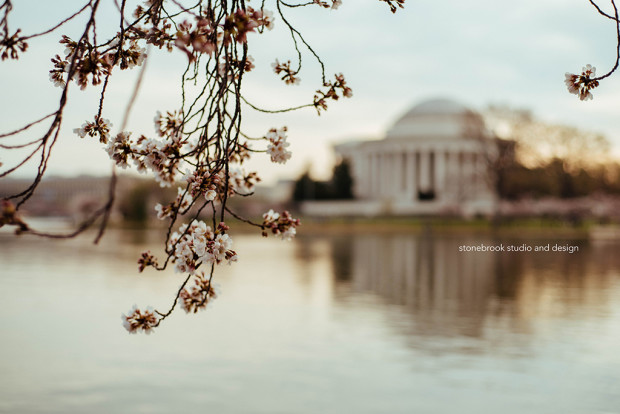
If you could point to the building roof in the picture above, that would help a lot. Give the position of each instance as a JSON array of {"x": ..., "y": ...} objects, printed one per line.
[
  {"x": 437, "y": 106},
  {"x": 438, "y": 118}
]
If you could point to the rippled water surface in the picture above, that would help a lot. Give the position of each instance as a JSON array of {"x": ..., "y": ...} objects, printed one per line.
[{"x": 363, "y": 323}]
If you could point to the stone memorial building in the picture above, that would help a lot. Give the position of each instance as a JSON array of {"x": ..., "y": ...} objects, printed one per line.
[{"x": 435, "y": 159}]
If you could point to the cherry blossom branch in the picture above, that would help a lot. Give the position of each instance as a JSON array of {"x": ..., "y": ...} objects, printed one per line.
[
  {"x": 61, "y": 23},
  {"x": 581, "y": 85},
  {"x": 22, "y": 129},
  {"x": 240, "y": 218},
  {"x": 613, "y": 69},
  {"x": 174, "y": 303},
  {"x": 601, "y": 11},
  {"x": 199, "y": 148}
]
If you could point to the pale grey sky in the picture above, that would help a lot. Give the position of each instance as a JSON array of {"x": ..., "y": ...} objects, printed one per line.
[{"x": 477, "y": 52}]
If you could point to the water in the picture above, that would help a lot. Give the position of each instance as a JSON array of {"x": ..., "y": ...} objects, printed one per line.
[{"x": 364, "y": 323}]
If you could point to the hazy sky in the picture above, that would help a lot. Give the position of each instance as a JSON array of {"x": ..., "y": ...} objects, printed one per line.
[{"x": 477, "y": 52}]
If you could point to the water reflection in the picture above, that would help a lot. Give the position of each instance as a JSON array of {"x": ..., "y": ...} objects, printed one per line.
[
  {"x": 448, "y": 292},
  {"x": 365, "y": 323}
]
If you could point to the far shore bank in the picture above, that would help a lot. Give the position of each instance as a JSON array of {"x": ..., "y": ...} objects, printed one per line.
[
  {"x": 523, "y": 227},
  {"x": 505, "y": 227}
]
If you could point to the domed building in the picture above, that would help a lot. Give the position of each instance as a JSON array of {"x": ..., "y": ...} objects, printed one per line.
[{"x": 435, "y": 159}]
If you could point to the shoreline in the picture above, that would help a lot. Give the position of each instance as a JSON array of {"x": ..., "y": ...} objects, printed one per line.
[{"x": 518, "y": 228}]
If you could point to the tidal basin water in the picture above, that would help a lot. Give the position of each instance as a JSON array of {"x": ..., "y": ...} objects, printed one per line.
[{"x": 337, "y": 323}]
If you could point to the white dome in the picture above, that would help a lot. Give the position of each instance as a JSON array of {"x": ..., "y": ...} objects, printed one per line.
[
  {"x": 438, "y": 118},
  {"x": 437, "y": 106}
]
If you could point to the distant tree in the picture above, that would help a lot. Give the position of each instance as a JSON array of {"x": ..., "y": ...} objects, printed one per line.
[
  {"x": 133, "y": 205},
  {"x": 339, "y": 187},
  {"x": 342, "y": 182},
  {"x": 304, "y": 188},
  {"x": 136, "y": 199},
  {"x": 549, "y": 159},
  {"x": 308, "y": 189},
  {"x": 554, "y": 179},
  {"x": 538, "y": 142}
]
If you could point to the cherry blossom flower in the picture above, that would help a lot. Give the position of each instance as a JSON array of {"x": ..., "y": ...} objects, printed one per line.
[
  {"x": 238, "y": 24},
  {"x": 134, "y": 56},
  {"x": 581, "y": 85},
  {"x": 249, "y": 63},
  {"x": 169, "y": 125},
  {"x": 163, "y": 212},
  {"x": 394, "y": 4},
  {"x": 203, "y": 183},
  {"x": 288, "y": 234},
  {"x": 10, "y": 45},
  {"x": 271, "y": 216},
  {"x": 160, "y": 157},
  {"x": 210, "y": 195},
  {"x": 90, "y": 65},
  {"x": 339, "y": 84},
  {"x": 289, "y": 76},
  {"x": 198, "y": 40},
  {"x": 137, "y": 320},
  {"x": 282, "y": 225},
  {"x": 197, "y": 244},
  {"x": 277, "y": 145},
  {"x": 57, "y": 74},
  {"x": 120, "y": 149},
  {"x": 267, "y": 20},
  {"x": 146, "y": 259},
  {"x": 57, "y": 79},
  {"x": 335, "y": 4},
  {"x": 240, "y": 182},
  {"x": 199, "y": 296},
  {"x": 100, "y": 127}
]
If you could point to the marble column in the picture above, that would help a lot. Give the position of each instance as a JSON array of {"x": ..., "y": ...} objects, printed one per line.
[
  {"x": 470, "y": 175},
  {"x": 385, "y": 175},
  {"x": 452, "y": 172},
  {"x": 425, "y": 179},
  {"x": 483, "y": 173},
  {"x": 398, "y": 175},
  {"x": 374, "y": 174},
  {"x": 410, "y": 176},
  {"x": 440, "y": 174},
  {"x": 390, "y": 175}
]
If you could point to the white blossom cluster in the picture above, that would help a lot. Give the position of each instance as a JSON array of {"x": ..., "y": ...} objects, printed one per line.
[
  {"x": 157, "y": 156},
  {"x": 197, "y": 244},
  {"x": 268, "y": 20},
  {"x": 99, "y": 127},
  {"x": 241, "y": 182},
  {"x": 170, "y": 124},
  {"x": 134, "y": 55},
  {"x": 277, "y": 145},
  {"x": 282, "y": 225},
  {"x": 138, "y": 320},
  {"x": 199, "y": 296},
  {"x": 581, "y": 85},
  {"x": 335, "y": 4},
  {"x": 203, "y": 183},
  {"x": 210, "y": 185},
  {"x": 287, "y": 74},
  {"x": 92, "y": 63}
]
